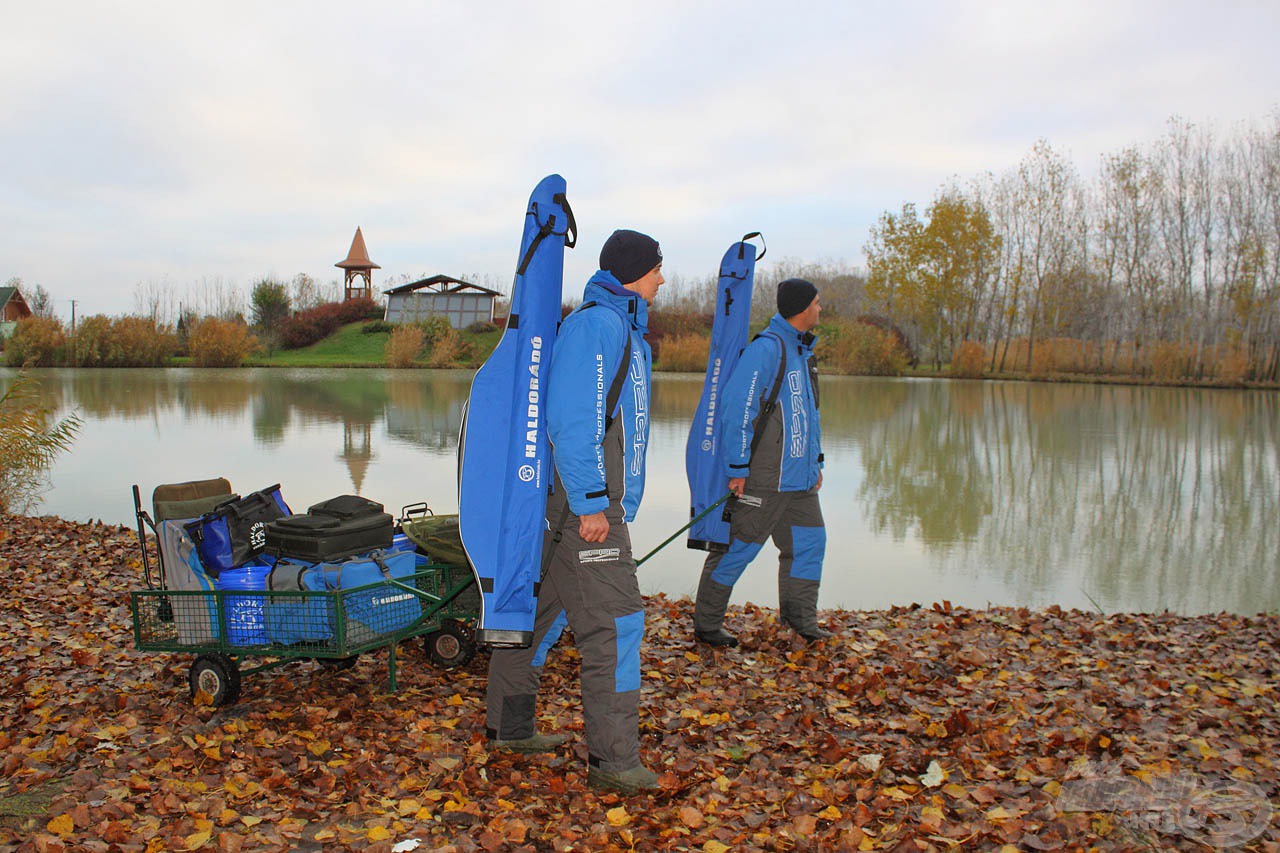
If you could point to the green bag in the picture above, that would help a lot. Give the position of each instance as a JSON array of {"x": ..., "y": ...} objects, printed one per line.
[{"x": 438, "y": 535}]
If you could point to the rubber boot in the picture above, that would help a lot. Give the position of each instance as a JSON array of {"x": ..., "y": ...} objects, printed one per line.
[
  {"x": 528, "y": 745},
  {"x": 638, "y": 778},
  {"x": 798, "y": 608},
  {"x": 708, "y": 613}
]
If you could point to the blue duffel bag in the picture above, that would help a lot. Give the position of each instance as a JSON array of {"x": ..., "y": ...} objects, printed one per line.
[{"x": 378, "y": 609}]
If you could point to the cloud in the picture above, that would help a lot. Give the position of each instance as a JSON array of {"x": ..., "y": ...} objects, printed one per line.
[{"x": 183, "y": 142}]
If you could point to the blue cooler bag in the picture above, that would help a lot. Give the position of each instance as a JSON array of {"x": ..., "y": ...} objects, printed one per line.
[
  {"x": 235, "y": 532},
  {"x": 381, "y": 608},
  {"x": 297, "y": 613}
]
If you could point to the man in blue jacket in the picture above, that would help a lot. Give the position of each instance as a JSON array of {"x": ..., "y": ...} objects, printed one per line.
[
  {"x": 772, "y": 438},
  {"x": 598, "y": 423}
]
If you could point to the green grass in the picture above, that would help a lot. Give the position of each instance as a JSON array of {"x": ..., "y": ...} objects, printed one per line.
[
  {"x": 351, "y": 347},
  {"x": 347, "y": 347}
]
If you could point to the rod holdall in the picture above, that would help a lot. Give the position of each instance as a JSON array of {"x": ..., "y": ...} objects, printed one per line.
[{"x": 235, "y": 531}]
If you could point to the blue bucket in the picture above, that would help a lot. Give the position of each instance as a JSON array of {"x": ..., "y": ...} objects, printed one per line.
[{"x": 246, "y": 621}]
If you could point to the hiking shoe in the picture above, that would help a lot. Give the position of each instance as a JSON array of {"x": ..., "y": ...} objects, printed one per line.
[
  {"x": 718, "y": 637},
  {"x": 528, "y": 745},
  {"x": 638, "y": 778}
]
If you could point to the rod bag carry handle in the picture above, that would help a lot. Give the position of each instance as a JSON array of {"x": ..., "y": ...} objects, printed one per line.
[{"x": 547, "y": 227}]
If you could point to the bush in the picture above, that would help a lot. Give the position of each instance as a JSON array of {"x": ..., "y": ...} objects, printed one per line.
[
  {"x": 482, "y": 327},
  {"x": 377, "y": 327},
  {"x": 678, "y": 323},
  {"x": 449, "y": 350},
  {"x": 140, "y": 342},
  {"x": 863, "y": 350},
  {"x": 37, "y": 342},
  {"x": 220, "y": 343},
  {"x": 92, "y": 341},
  {"x": 1170, "y": 361},
  {"x": 1231, "y": 366},
  {"x": 29, "y": 440},
  {"x": 685, "y": 353},
  {"x": 404, "y": 346},
  {"x": 307, "y": 327},
  {"x": 435, "y": 328},
  {"x": 969, "y": 361}
]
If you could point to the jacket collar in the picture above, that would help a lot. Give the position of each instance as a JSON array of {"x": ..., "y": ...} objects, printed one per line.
[
  {"x": 604, "y": 289},
  {"x": 789, "y": 334}
]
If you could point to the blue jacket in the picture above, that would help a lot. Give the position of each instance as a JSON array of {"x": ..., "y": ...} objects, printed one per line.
[
  {"x": 583, "y": 366},
  {"x": 797, "y": 456}
]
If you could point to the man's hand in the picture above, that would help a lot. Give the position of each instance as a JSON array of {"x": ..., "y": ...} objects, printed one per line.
[
  {"x": 737, "y": 485},
  {"x": 594, "y": 527},
  {"x": 819, "y": 486}
]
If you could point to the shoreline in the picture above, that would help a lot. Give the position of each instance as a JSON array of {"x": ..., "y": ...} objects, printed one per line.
[
  {"x": 927, "y": 728},
  {"x": 1052, "y": 379}
]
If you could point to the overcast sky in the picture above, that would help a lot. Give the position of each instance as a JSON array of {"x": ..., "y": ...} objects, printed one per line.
[{"x": 169, "y": 142}]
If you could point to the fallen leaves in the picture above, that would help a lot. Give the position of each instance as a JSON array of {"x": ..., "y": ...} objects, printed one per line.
[{"x": 915, "y": 729}]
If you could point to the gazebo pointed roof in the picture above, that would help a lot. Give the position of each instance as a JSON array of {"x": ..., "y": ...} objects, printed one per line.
[{"x": 358, "y": 257}]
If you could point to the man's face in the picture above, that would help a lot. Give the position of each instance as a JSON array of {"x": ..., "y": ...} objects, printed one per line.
[
  {"x": 648, "y": 284},
  {"x": 807, "y": 320}
]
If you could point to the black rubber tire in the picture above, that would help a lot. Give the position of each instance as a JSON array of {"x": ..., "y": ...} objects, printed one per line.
[
  {"x": 339, "y": 664},
  {"x": 454, "y": 645},
  {"x": 217, "y": 675}
]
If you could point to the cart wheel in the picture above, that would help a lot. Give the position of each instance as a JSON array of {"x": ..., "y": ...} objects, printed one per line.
[
  {"x": 452, "y": 646},
  {"x": 338, "y": 664},
  {"x": 218, "y": 676}
]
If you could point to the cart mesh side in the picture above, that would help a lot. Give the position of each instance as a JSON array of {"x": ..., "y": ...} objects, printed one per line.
[{"x": 334, "y": 623}]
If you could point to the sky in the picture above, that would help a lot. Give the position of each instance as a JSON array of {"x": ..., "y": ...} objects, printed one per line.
[{"x": 160, "y": 144}]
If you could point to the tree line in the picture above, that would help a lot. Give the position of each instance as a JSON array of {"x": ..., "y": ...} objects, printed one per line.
[{"x": 1165, "y": 264}]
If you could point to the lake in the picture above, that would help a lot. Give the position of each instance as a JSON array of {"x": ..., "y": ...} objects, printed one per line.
[{"x": 1003, "y": 493}]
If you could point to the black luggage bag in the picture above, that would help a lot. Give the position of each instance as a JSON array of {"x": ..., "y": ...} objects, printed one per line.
[{"x": 330, "y": 530}]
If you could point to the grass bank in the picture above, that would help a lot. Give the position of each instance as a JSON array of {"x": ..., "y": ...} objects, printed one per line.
[{"x": 353, "y": 346}]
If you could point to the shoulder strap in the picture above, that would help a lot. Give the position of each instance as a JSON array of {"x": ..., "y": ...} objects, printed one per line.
[
  {"x": 771, "y": 400},
  {"x": 624, "y": 365}
]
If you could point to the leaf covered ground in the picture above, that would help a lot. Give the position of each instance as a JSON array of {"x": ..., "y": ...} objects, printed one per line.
[{"x": 921, "y": 728}]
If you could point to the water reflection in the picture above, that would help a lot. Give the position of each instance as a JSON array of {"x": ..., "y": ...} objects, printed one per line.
[{"x": 1010, "y": 493}]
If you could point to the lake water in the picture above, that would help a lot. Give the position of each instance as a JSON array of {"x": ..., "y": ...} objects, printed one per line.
[{"x": 1133, "y": 499}]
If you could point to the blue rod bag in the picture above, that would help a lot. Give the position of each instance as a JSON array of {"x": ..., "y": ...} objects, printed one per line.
[
  {"x": 702, "y": 454},
  {"x": 504, "y": 459}
]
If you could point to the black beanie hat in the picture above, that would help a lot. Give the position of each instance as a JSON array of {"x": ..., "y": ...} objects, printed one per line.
[
  {"x": 629, "y": 255},
  {"x": 795, "y": 295}
]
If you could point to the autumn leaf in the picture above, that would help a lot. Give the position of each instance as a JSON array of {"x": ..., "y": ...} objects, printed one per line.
[
  {"x": 197, "y": 840},
  {"x": 61, "y": 825},
  {"x": 691, "y": 817},
  {"x": 618, "y": 816}
]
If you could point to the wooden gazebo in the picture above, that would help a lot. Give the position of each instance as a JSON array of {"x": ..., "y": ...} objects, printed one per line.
[{"x": 358, "y": 266}]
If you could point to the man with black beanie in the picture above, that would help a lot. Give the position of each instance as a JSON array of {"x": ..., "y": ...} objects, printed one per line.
[
  {"x": 772, "y": 440},
  {"x": 598, "y": 422}
]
